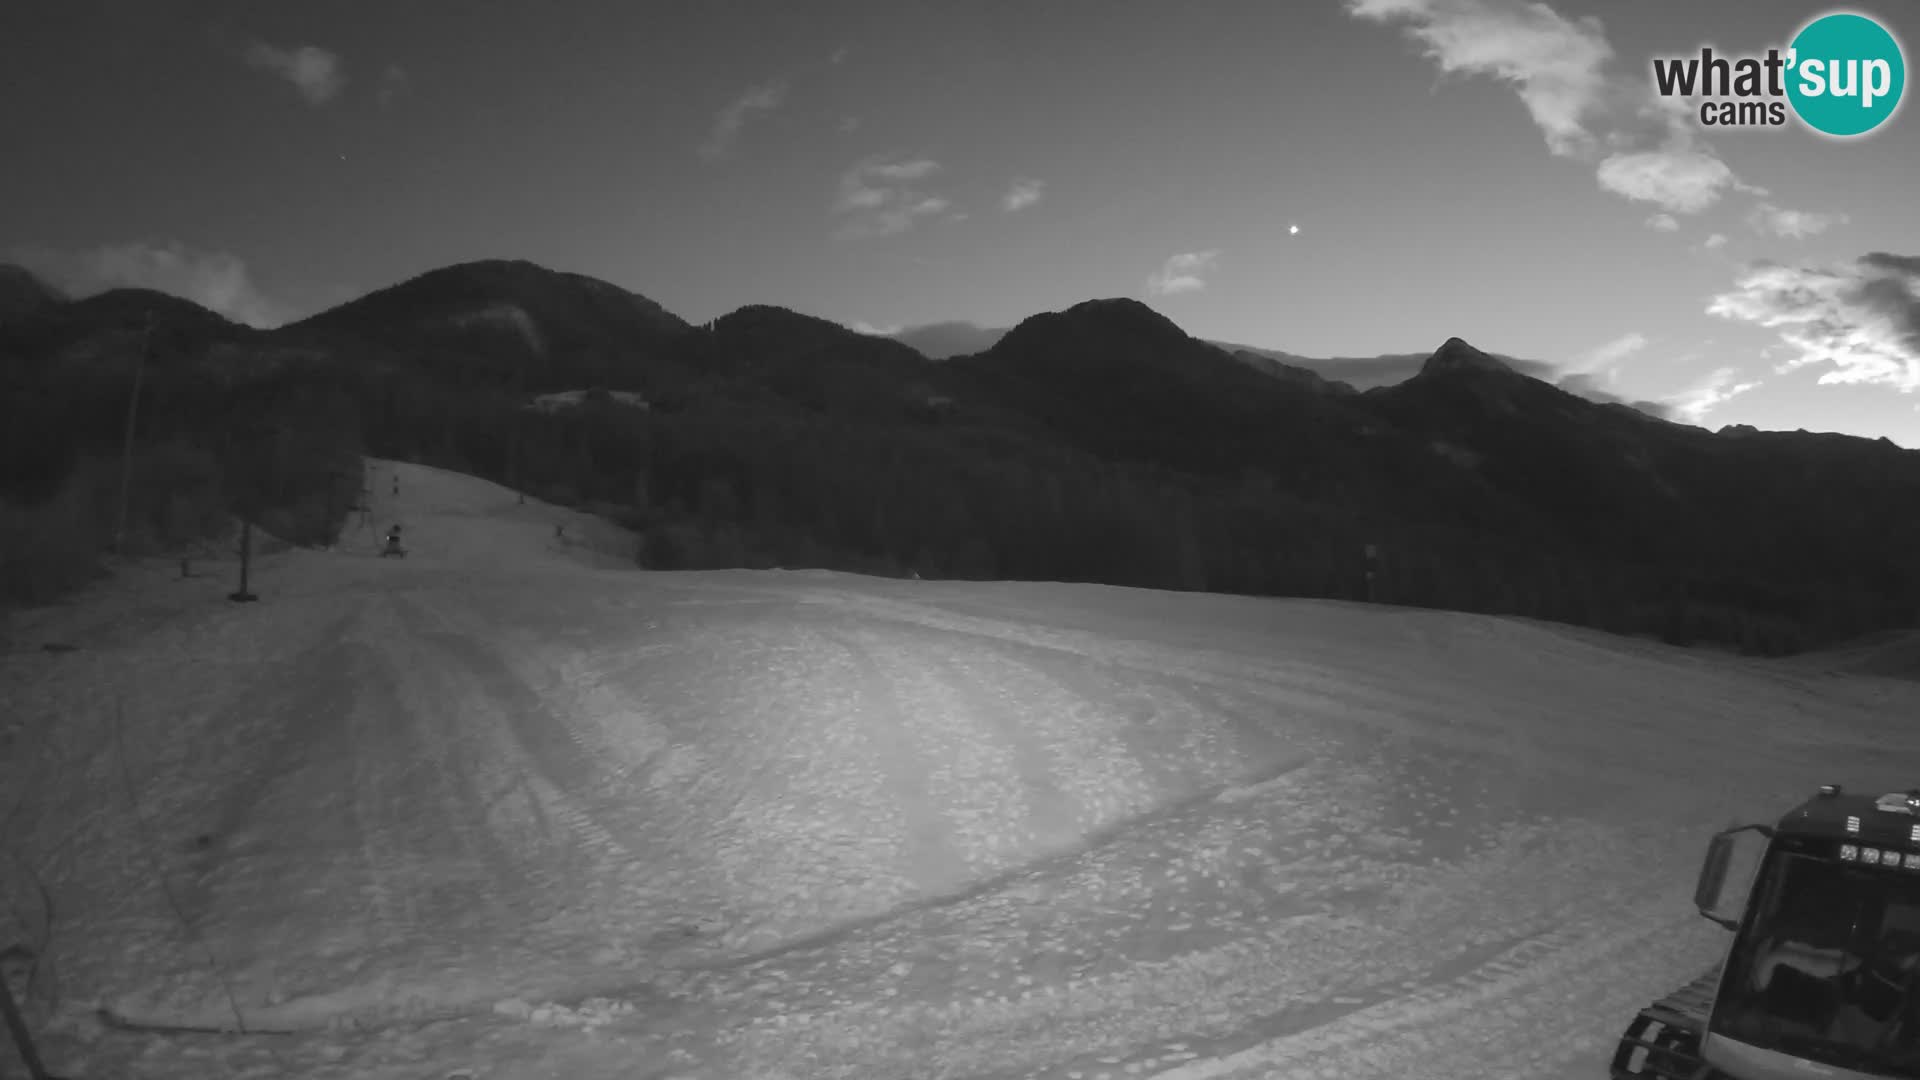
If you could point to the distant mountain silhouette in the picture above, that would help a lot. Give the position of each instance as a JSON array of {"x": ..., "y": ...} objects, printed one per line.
[
  {"x": 130, "y": 309},
  {"x": 21, "y": 292},
  {"x": 468, "y": 294},
  {"x": 510, "y": 319},
  {"x": 101, "y": 334},
  {"x": 1297, "y": 373},
  {"x": 1101, "y": 442},
  {"x": 771, "y": 334},
  {"x": 1758, "y": 513},
  {"x": 1358, "y": 372},
  {"x": 1118, "y": 379},
  {"x": 1388, "y": 369},
  {"x": 819, "y": 365},
  {"x": 945, "y": 340}
]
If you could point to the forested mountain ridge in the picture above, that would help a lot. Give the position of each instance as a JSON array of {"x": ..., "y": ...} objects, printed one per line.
[{"x": 1099, "y": 443}]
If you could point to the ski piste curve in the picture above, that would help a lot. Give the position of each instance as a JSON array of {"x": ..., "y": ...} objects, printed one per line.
[{"x": 509, "y": 804}]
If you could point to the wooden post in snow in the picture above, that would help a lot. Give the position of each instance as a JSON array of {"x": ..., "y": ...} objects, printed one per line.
[{"x": 242, "y": 595}]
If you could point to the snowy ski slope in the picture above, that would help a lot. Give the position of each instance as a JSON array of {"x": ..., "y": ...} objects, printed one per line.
[{"x": 512, "y": 807}]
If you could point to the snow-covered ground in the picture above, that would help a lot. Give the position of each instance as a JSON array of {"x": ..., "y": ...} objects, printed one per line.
[
  {"x": 573, "y": 399},
  {"x": 510, "y": 808}
]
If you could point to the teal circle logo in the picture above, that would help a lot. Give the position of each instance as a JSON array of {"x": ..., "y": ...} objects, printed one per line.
[{"x": 1847, "y": 76}]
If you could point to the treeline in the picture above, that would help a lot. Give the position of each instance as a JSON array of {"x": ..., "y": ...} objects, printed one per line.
[
  {"x": 737, "y": 478},
  {"x": 727, "y": 469},
  {"x": 282, "y": 449}
]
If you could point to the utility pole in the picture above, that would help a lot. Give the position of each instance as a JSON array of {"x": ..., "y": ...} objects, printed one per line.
[
  {"x": 280, "y": 465},
  {"x": 126, "y": 444},
  {"x": 249, "y": 502},
  {"x": 516, "y": 422},
  {"x": 333, "y": 500},
  {"x": 242, "y": 595}
]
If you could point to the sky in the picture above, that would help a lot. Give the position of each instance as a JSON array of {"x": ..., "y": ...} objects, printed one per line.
[{"x": 1324, "y": 177}]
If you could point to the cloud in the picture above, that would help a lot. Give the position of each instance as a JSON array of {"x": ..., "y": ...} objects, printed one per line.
[
  {"x": 915, "y": 169},
  {"x": 849, "y": 124},
  {"x": 1679, "y": 180},
  {"x": 1768, "y": 219},
  {"x": 1586, "y": 386},
  {"x": 313, "y": 71},
  {"x": 1182, "y": 273},
  {"x": 1717, "y": 240},
  {"x": 215, "y": 280},
  {"x": 393, "y": 83},
  {"x": 1860, "y": 319},
  {"x": 859, "y": 326},
  {"x": 1583, "y": 375},
  {"x": 941, "y": 341},
  {"x": 1022, "y": 194},
  {"x": 1663, "y": 223},
  {"x": 1553, "y": 63},
  {"x": 1606, "y": 357},
  {"x": 734, "y": 116},
  {"x": 1646, "y": 147},
  {"x": 878, "y": 196},
  {"x": 1713, "y": 390},
  {"x": 1592, "y": 374}
]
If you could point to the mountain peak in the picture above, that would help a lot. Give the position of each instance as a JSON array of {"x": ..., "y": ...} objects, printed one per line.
[
  {"x": 1122, "y": 316},
  {"x": 1123, "y": 309},
  {"x": 1457, "y": 355},
  {"x": 549, "y": 300}
]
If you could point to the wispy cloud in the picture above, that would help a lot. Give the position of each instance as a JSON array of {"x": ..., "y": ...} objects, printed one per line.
[
  {"x": 393, "y": 83},
  {"x": 1643, "y": 147},
  {"x": 1607, "y": 356},
  {"x": 728, "y": 122},
  {"x": 1680, "y": 180},
  {"x": 1183, "y": 273},
  {"x": 1715, "y": 241},
  {"x": 313, "y": 71},
  {"x": 1771, "y": 220},
  {"x": 879, "y": 195},
  {"x": 1663, "y": 223},
  {"x": 1592, "y": 374},
  {"x": 1022, "y": 194},
  {"x": 1554, "y": 63},
  {"x": 1713, "y": 390},
  {"x": 1862, "y": 319},
  {"x": 913, "y": 169},
  {"x": 215, "y": 280}
]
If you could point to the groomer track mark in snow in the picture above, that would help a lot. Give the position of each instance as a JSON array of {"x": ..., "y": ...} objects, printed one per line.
[{"x": 519, "y": 808}]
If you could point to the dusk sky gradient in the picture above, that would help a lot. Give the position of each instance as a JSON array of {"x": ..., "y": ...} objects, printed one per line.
[{"x": 1488, "y": 169}]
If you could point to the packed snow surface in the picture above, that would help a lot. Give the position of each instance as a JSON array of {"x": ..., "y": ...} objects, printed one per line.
[
  {"x": 573, "y": 399},
  {"x": 510, "y": 807}
]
